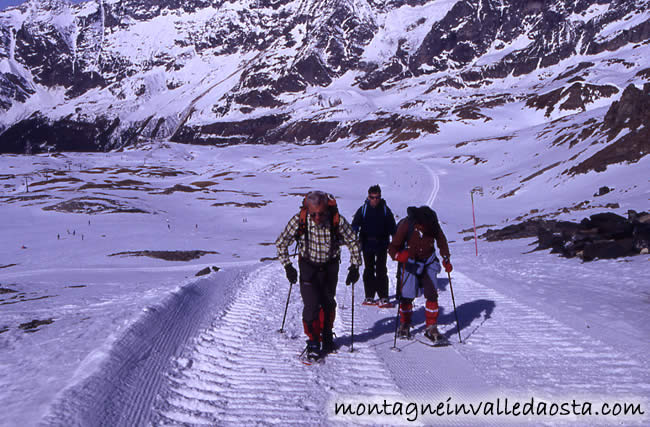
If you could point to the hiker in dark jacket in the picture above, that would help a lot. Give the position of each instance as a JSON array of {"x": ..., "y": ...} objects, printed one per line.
[{"x": 375, "y": 223}]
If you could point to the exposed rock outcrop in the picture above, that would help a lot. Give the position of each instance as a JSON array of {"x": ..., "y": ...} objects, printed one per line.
[{"x": 604, "y": 235}]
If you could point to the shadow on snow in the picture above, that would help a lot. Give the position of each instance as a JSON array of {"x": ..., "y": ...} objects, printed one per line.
[{"x": 468, "y": 313}]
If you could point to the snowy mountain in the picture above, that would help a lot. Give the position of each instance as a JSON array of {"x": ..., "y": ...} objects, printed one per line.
[
  {"x": 530, "y": 107},
  {"x": 107, "y": 73}
]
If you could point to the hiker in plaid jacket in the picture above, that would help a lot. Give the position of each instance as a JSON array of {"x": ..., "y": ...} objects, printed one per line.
[{"x": 320, "y": 235}]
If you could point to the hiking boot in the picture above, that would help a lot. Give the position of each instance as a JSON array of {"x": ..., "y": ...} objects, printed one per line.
[
  {"x": 369, "y": 301},
  {"x": 434, "y": 335},
  {"x": 404, "y": 331},
  {"x": 385, "y": 303},
  {"x": 313, "y": 350}
]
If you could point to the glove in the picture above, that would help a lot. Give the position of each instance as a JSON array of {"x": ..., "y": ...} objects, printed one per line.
[
  {"x": 402, "y": 256},
  {"x": 353, "y": 275},
  {"x": 292, "y": 274},
  {"x": 447, "y": 264}
]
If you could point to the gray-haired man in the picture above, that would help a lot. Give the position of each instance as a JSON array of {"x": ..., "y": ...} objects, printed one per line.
[{"x": 320, "y": 231}]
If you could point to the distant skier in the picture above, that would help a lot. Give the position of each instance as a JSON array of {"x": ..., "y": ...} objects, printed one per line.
[
  {"x": 319, "y": 230},
  {"x": 375, "y": 223},
  {"x": 413, "y": 247}
]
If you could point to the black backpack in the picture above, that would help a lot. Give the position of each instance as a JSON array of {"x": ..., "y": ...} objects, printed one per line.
[{"x": 421, "y": 215}]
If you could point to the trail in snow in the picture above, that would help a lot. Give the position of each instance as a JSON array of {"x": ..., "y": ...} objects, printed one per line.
[
  {"x": 428, "y": 189},
  {"x": 505, "y": 336},
  {"x": 435, "y": 186},
  {"x": 122, "y": 391},
  {"x": 242, "y": 370}
]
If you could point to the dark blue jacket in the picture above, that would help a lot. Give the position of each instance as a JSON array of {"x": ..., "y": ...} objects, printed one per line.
[{"x": 375, "y": 225}]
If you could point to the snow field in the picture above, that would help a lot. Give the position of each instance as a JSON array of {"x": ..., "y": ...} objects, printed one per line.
[
  {"x": 243, "y": 370},
  {"x": 547, "y": 355},
  {"x": 115, "y": 329}
]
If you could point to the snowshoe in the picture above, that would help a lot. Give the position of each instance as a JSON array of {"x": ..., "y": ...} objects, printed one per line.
[
  {"x": 313, "y": 350},
  {"x": 404, "y": 331},
  {"x": 311, "y": 354},
  {"x": 434, "y": 338},
  {"x": 385, "y": 303},
  {"x": 369, "y": 301}
]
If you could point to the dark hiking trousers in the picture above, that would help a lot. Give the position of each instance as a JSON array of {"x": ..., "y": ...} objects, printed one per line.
[
  {"x": 375, "y": 274},
  {"x": 318, "y": 290}
]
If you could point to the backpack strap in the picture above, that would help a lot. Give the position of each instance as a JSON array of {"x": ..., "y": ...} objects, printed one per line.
[
  {"x": 334, "y": 212},
  {"x": 410, "y": 218},
  {"x": 335, "y": 217},
  {"x": 409, "y": 233},
  {"x": 302, "y": 222},
  {"x": 365, "y": 206}
]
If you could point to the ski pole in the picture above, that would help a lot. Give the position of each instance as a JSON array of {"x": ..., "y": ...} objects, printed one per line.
[
  {"x": 286, "y": 307},
  {"x": 453, "y": 301},
  {"x": 396, "y": 327},
  {"x": 352, "y": 339},
  {"x": 471, "y": 193},
  {"x": 399, "y": 301}
]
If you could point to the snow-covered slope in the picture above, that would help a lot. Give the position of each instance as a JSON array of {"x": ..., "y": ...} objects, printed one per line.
[
  {"x": 100, "y": 326},
  {"x": 452, "y": 78},
  {"x": 104, "y": 74},
  {"x": 529, "y": 106}
]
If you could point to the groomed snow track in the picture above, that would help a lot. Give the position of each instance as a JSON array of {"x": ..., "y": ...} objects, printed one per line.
[
  {"x": 243, "y": 370},
  {"x": 131, "y": 371},
  {"x": 205, "y": 358}
]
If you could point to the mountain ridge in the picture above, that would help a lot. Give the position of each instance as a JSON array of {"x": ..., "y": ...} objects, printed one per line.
[{"x": 104, "y": 74}]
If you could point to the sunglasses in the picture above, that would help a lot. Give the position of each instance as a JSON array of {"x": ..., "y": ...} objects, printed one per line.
[
  {"x": 313, "y": 215},
  {"x": 374, "y": 197}
]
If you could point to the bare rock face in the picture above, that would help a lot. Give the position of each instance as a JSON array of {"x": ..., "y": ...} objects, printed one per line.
[
  {"x": 268, "y": 71},
  {"x": 36, "y": 134},
  {"x": 574, "y": 97},
  {"x": 232, "y": 132},
  {"x": 631, "y": 114},
  {"x": 13, "y": 88},
  {"x": 604, "y": 235}
]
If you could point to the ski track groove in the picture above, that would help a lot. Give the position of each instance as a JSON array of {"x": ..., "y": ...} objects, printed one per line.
[
  {"x": 556, "y": 357},
  {"x": 151, "y": 379},
  {"x": 241, "y": 370},
  {"x": 126, "y": 389}
]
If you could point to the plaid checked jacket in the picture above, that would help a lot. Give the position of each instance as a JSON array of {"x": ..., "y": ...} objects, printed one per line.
[{"x": 319, "y": 248}]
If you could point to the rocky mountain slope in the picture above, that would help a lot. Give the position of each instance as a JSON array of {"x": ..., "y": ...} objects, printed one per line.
[{"x": 108, "y": 73}]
